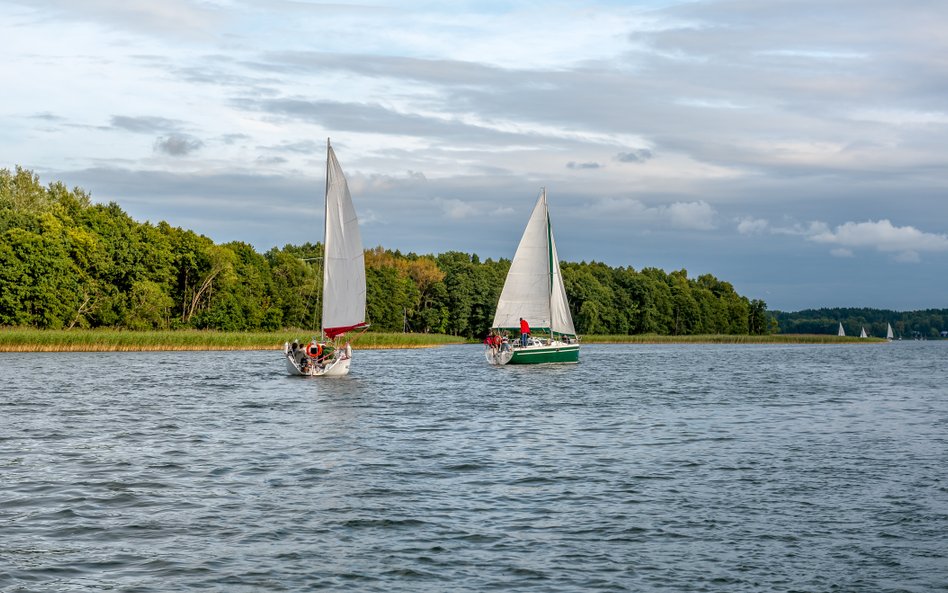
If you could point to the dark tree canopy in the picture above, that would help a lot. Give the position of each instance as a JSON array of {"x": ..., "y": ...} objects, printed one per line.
[
  {"x": 67, "y": 262},
  {"x": 927, "y": 324}
]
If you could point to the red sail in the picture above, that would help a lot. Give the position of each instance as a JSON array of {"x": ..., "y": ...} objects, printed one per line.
[{"x": 332, "y": 332}]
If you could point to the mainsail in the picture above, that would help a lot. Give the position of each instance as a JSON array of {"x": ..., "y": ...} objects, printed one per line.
[
  {"x": 841, "y": 331},
  {"x": 888, "y": 332},
  {"x": 344, "y": 260},
  {"x": 534, "y": 287}
]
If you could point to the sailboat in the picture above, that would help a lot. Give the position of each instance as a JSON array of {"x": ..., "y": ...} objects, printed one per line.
[
  {"x": 343, "y": 284},
  {"x": 889, "y": 335},
  {"x": 534, "y": 292},
  {"x": 862, "y": 333},
  {"x": 841, "y": 331}
]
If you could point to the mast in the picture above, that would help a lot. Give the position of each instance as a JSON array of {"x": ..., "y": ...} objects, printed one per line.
[
  {"x": 549, "y": 251},
  {"x": 322, "y": 331}
]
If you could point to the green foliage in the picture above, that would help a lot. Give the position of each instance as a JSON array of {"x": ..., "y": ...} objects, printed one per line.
[
  {"x": 927, "y": 324},
  {"x": 66, "y": 262}
]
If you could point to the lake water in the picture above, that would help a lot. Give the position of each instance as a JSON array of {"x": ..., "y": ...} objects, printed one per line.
[{"x": 643, "y": 468}]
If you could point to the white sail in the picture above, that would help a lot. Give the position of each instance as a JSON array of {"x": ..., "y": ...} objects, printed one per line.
[
  {"x": 862, "y": 333},
  {"x": 534, "y": 287},
  {"x": 841, "y": 331},
  {"x": 344, "y": 261},
  {"x": 562, "y": 321},
  {"x": 888, "y": 332}
]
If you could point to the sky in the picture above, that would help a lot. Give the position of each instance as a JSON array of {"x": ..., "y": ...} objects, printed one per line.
[{"x": 795, "y": 148}]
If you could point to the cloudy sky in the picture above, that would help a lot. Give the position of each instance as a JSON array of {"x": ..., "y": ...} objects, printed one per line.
[{"x": 796, "y": 148}]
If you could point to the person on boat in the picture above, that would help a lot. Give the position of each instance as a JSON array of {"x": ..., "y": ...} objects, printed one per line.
[
  {"x": 524, "y": 332},
  {"x": 298, "y": 352},
  {"x": 327, "y": 353},
  {"x": 492, "y": 341},
  {"x": 505, "y": 343}
]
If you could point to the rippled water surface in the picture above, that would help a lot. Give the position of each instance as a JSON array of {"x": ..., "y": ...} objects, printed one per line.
[{"x": 643, "y": 468}]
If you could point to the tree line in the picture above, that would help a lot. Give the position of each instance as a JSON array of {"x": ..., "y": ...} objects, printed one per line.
[
  {"x": 926, "y": 324},
  {"x": 68, "y": 262}
]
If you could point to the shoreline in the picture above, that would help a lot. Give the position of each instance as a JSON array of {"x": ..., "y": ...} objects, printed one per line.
[
  {"x": 108, "y": 340},
  {"x": 732, "y": 339},
  {"x": 30, "y": 340}
]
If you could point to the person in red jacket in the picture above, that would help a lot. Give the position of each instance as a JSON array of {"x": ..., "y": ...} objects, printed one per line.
[
  {"x": 492, "y": 341},
  {"x": 524, "y": 332}
]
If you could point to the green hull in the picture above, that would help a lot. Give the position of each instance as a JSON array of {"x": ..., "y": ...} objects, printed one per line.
[{"x": 543, "y": 355}]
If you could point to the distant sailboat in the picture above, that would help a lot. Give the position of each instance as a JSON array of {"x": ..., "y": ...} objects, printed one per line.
[
  {"x": 841, "y": 331},
  {"x": 862, "y": 333},
  {"x": 889, "y": 335}
]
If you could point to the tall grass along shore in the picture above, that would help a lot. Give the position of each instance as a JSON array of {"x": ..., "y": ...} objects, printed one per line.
[
  {"x": 102, "y": 340},
  {"x": 108, "y": 340}
]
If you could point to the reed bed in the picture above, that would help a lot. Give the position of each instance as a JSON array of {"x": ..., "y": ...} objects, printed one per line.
[
  {"x": 109, "y": 340},
  {"x": 728, "y": 339}
]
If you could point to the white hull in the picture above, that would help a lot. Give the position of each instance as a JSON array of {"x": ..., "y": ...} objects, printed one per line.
[
  {"x": 337, "y": 367},
  {"x": 498, "y": 357}
]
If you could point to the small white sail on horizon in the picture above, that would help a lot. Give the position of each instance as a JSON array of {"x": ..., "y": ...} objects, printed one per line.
[
  {"x": 344, "y": 292},
  {"x": 841, "y": 331},
  {"x": 889, "y": 335},
  {"x": 862, "y": 333}
]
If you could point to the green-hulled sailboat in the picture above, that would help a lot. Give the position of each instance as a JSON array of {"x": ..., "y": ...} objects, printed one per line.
[{"x": 534, "y": 291}]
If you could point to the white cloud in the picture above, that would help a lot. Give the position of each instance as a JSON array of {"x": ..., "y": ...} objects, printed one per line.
[
  {"x": 906, "y": 241},
  {"x": 749, "y": 225},
  {"x": 455, "y": 209},
  {"x": 697, "y": 216},
  {"x": 908, "y": 257}
]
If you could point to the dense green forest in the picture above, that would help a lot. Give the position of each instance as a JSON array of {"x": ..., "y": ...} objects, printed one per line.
[
  {"x": 66, "y": 262},
  {"x": 926, "y": 324}
]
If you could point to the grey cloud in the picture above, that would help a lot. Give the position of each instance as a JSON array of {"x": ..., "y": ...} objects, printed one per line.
[
  {"x": 178, "y": 144},
  {"x": 575, "y": 165},
  {"x": 230, "y": 139},
  {"x": 373, "y": 118},
  {"x": 47, "y": 116},
  {"x": 301, "y": 147},
  {"x": 639, "y": 155},
  {"x": 440, "y": 72},
  {"x": 271, "y": 160},
  {"x": 145, "y": 124}
]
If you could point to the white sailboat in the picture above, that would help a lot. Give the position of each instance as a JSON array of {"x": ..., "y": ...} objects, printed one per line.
[
  {"x": 889, "y": 335},
  {"x": 841, "y": 331},
  {"x": 343, "y": 284},
  {"x": 534, "y": 292},
  {"x": 862, "y": 333}
]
